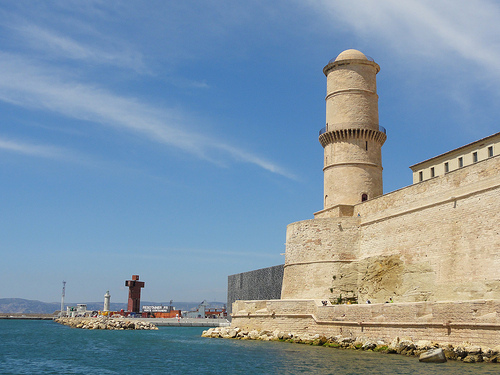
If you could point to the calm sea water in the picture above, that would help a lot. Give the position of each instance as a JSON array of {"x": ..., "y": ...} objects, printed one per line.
[{"x": 45, "y": 347}]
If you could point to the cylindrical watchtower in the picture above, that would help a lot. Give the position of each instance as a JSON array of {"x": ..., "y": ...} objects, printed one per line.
[{"x": 352, "y": 138}]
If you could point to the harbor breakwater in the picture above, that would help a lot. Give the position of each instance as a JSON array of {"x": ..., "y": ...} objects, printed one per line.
[
  {"x": 465, "y": 352},
  {"x": 188, "y": 322},
  {"x": 27, "y": 316},
  {"x": 106, "y": 323}
]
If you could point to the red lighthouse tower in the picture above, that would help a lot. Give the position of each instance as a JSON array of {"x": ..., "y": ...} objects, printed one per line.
[{"x": 134, "y": 293}]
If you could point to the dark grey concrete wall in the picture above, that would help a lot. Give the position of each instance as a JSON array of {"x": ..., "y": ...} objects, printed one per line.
[{"x": 255, "y": 285}]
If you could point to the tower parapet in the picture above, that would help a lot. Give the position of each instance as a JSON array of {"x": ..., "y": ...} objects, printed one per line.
[{"x": 352, "y": 139}]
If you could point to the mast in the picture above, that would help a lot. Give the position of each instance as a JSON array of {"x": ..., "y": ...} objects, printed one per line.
[{"x": 62, "y": 298}]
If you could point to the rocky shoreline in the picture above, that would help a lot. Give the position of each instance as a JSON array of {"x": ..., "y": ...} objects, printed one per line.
[
  {"x": 464, "y": 352},
  {"x": 106, "y": 323}
]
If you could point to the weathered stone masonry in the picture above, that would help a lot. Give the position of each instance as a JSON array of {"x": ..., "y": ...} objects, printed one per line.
[
  {"x": 433, "y": 247},
  {"x": 433, "y": 241},
  {"x": 444, "y": 322}
]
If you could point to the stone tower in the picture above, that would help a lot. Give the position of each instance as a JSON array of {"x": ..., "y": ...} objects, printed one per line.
[{"x": 352, "y": 138}]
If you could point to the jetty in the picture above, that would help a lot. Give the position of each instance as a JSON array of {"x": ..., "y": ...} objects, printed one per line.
[
  {"x": 131, "y": 323},
  {"x": 106, "y": 323},
  {"x": 27, "y": 316},
  {"x": 188, "y": 322}
]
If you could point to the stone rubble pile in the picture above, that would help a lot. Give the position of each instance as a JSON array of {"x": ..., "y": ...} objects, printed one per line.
[
  {"x": 105, "y": 323},
  {"x": 464, "y": 352}
]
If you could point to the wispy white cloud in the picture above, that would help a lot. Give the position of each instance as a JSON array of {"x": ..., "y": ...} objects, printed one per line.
[
  {"x": 55, "y": 45},
  {"x": 446, "y": 29},
  {"x": 31, "y": 149},
  {"x": 60, "y": 154},
  {"x": 30, "y": 85}
]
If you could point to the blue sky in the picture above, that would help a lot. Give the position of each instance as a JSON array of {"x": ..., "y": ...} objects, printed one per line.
[{"x": 177, "y": 139}]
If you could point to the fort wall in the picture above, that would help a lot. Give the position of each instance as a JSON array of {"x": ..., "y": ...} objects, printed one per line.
[
  {"x": 432, "y": 248},
  {"x": 437, "y": 240},
  {"x": 315, "y": 251},
  {"x": 444, "y": 322}
]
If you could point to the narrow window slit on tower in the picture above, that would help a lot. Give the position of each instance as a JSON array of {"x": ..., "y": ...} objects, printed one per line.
[
  {"x": 432, "y": 172},
  {"x": 460, "y": 162},
  {"x": 420, "y": 176},
  {"x": 490, "y": 151},
  {"x": 366, "y": 145},
  {"x": 446, "y": 167},
  {"x": 474, "y": 157}
]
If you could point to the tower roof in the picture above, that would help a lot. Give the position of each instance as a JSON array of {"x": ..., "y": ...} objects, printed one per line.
[
  {"x": 356, "y": 56},
  {"x": 351, "y": 54}
]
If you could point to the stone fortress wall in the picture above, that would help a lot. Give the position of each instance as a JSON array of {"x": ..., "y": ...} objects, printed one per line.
[
  {"x": 433, "y": 241},
  {"x": 476, "y": 322},
  {"x": 432, "y": 248}
]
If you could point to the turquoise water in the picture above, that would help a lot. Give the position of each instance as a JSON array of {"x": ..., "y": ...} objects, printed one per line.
[{"x": 45, "y": 347}]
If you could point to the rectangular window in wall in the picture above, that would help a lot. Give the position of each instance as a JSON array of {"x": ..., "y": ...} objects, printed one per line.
[
  {"x": 420, "y": 176},
  {"x": 432, "y": 172},
  {"x": 474, "y": 157},
  {"x": 446, "y": 167},
  {"x": 490, "y": 151},
  {"x": 460, "y": 162}
]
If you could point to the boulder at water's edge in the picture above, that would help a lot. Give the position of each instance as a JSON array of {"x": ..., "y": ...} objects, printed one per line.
[{"x": 433, "y": 355}]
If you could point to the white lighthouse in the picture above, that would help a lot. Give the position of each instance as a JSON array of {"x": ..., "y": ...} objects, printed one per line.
[{"x": 107, "y": 298}]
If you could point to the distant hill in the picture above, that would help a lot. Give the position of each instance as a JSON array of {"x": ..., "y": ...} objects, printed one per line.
[{"x": 25, "y": 306}]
